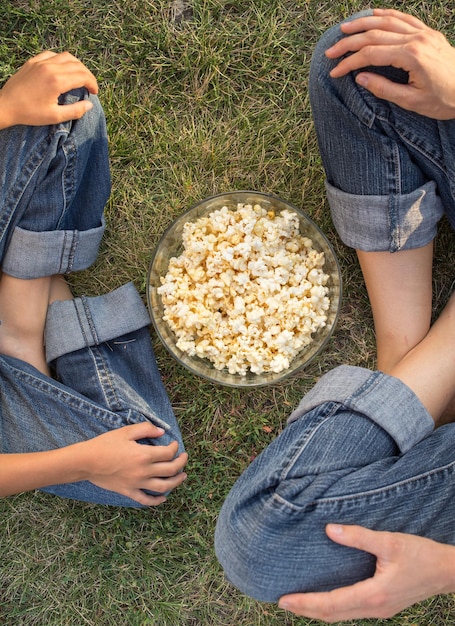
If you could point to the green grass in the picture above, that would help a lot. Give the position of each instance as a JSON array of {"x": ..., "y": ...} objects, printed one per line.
[{"x": 214, "y": 104}]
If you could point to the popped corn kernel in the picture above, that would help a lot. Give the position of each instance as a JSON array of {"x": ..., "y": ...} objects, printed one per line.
[{"x": 248, "y": 291}]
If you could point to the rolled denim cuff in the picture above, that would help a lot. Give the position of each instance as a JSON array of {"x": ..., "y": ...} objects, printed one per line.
[
  {"x": 32, "y": 254},
  {"x": 83, "y": 322},
  {"x": 386, "y": 223},
  {"x": 384, "y": 399}
]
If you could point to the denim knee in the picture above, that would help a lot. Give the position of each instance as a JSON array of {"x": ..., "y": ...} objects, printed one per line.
[
  {"x": 55, "y": 184},
  {"x": 270, "y": 536},
  {"x": 388, "y": 170}
]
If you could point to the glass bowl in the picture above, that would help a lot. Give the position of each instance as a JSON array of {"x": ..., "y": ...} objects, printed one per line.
[{"x": 170, "y": 245}]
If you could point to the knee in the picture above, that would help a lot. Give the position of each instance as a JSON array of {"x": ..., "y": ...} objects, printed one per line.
[
  {"x": 320, "y": 64},
  {"x": 92, "y": 125},
  {"x": 241, "y": 548},
  {"x": 334, "y": 33},
  {"x": 270, "y": 550}
]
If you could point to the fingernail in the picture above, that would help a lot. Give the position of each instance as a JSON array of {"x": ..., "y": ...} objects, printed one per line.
[
  {"x": 336, "y": 529},
  {"x": 362, "y": 80}
]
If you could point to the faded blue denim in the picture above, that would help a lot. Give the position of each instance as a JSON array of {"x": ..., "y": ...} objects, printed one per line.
[
  {"x": 54, "y": 185},
  {"x": 390, "y": 173},
  {"x": 360, "y": 448}
]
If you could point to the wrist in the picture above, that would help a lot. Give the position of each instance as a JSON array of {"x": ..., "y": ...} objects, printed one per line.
[
  {"x": 6, "y": 118},
  {"x": 449, "y": 570},
  {"x": 82, "y": 459},
  {"x": 66, "y": 463}
]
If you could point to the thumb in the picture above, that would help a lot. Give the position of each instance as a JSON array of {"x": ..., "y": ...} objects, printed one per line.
[
  {"x": 384, "y": 88},
  {"x": 356, "y": 537}
]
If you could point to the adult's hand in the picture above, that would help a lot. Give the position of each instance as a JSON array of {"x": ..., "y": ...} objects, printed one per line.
[
  {"x": 392, "y": 38},
  {"x": 409, "y": 569},
  {"x": 31, "y": 95}
]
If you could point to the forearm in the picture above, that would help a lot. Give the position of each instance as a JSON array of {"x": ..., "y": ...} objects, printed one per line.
[
  {"x": 28, "y": 471},
  {"x": 113, "y": 460}
]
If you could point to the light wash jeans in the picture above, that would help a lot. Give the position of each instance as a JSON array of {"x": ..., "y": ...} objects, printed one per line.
[
  {"x": 54, "y": 185},
  {"x": 360, "y": 448},
  {"x": 404, "y": 163}
]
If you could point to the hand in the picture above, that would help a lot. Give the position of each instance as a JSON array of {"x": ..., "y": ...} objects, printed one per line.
[
  {"x": 392, "y": 38},
  {"x": 115, "y": 461},
  {"x": 31, "y": 95},
  {"x": 408, "y": 569}
]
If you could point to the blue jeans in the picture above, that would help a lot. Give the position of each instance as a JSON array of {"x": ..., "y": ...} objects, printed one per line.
[
  {"x": 390, "y": 173},
  {"x": 360, "y": 448},
  {"x": 54, "y": 185}
]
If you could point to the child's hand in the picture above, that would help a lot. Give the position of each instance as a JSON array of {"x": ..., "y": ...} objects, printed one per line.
[
  {"x": 31, "y": 95},
  {"x": 115, "y": 461}
]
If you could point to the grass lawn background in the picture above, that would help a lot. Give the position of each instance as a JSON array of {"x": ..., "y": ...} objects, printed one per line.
[{"x": 216, "y": 103}]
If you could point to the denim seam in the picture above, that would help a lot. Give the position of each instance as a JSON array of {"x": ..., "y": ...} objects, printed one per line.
[
  {"x": 394, "y": 224},
  {"x": 75, "y": 401},
  {"x": 90, "y": 322},
  {"x": 27, "y": 173},
  {"x": 62, "y": 254},
  {"x": 407, "y": 141},
  {"x": 449, "y": 467},
  {"x": 331, "y": 409},
  {"x": 109, "y": 391},
  {"x": 366, "y": 387},
  {"x": 70, "y": 151},
  {"x": 80, "y": 322},
  {"x": 364, "y": 495},
  {"x": 72, "y": 250},
  {"x": 396, "y": 235}
]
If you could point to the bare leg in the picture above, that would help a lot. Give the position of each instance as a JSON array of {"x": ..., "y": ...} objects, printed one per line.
[
  {"x": 59, "y": 289},
  {"x": 23, "y": 309},
  {"x": 429, "y": 369},
  {"x": 400, "y": 290}
]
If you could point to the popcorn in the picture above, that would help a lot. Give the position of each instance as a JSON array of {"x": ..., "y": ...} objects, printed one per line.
[{"x": 248, "y": 291}]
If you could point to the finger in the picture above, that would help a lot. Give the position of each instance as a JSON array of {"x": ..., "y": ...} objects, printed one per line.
[
  {"x": 41, "y": 56},
  {"x": 66, "y": 112},
  {"x": 154, "y": 454},
  {"x": 376, "y": 56},
  {"x": 64, "y": 72},
  {"x": 356, "y": 537},
  {"x": 146, "y": 499},
  {"x": 385, "y": 19},
  {"x": 65, "y": 57},
  {"x": 332, "y": 606},
  {"x": 142, "y": 430},
  {"x": 404, "y": 17},
  {"x": 357, "y": 42},
  {"x": 387, "y": 24},
  {"x": 169, "y": 468},
  {"x": 381, "y": 87},
  {"x": 163, "y": 485},
  {"x": 74, "y": 75}
]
